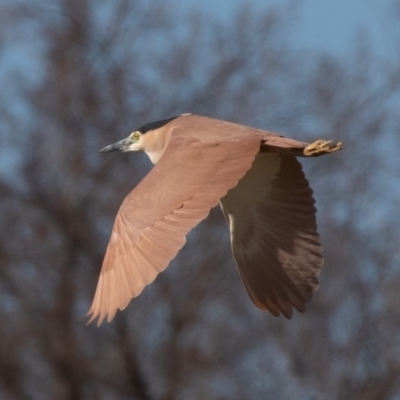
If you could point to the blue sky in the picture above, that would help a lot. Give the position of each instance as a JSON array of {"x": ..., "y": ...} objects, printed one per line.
[{"x": 329, "y": 26}]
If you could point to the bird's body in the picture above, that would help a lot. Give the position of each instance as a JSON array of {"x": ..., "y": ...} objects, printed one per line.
[{"x": 264, "y": 196}]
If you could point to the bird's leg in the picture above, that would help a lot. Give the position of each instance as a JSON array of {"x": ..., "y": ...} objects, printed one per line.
[{"x": 321, "y": 147}]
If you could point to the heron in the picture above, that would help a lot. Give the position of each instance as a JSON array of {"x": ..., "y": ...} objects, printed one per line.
[{"x": 264, "y": 195}]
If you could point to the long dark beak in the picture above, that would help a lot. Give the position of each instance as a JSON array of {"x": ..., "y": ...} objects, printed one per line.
[{"x": 122, "y": 145}]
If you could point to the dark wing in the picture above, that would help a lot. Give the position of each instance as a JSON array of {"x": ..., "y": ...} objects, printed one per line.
[{"x": 274, "y": 234}]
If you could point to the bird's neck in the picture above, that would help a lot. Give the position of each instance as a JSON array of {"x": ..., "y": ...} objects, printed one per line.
[{"x": 156, "y": 143}]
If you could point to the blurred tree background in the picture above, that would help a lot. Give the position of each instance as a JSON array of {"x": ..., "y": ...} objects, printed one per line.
[{"x": 94, "y": 71}]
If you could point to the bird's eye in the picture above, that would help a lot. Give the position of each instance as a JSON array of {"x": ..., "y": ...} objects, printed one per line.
[{"x": 135, "y": 136}]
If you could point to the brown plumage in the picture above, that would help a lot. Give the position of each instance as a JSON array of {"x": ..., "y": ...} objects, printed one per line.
[{"x": 263, "y": 193}]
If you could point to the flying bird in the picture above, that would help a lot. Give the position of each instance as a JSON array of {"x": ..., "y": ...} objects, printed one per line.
[{"x": 264, "y": 195}]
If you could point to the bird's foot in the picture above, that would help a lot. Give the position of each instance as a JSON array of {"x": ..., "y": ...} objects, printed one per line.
[{"x": 321, "y": 147}]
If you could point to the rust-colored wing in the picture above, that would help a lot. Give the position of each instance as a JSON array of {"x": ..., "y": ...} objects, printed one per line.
[
  {"x": 156, "y": 216},
  {"x": 273, "y": 228},
  {"x": 274, "y": 234}
]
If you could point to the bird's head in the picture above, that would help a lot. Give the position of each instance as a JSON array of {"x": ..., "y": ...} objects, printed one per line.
[
  {"x": 151, "y": 138},
  {"x": 132, "y": 143}
]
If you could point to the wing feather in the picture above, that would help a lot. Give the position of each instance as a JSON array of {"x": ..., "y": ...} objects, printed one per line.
[
  {"x": 153, "y": 221},
  {"x": 274, "y": 234}
]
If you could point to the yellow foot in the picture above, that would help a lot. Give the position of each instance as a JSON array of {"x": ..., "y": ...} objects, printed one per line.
[{"x": 322, "y": 147}]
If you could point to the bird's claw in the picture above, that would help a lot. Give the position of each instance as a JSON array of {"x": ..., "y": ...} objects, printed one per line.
[{"x": 320, "y": 147}]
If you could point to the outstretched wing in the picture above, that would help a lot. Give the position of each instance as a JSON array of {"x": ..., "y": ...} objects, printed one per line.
[
  {"x": 278, "y": 250},
  {"x": 154, "y": 219},
  {"x": 274, "y": 234}
]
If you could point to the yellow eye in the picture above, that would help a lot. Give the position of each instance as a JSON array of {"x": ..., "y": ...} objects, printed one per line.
[{"x": 135, "y": 136}]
